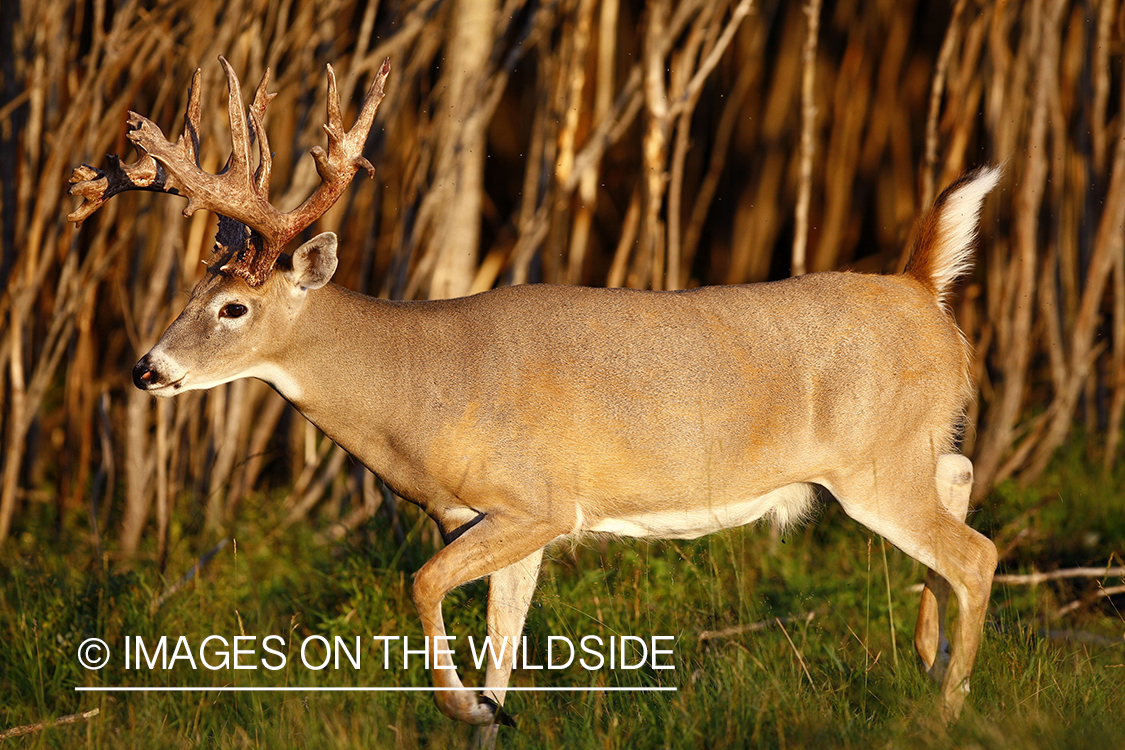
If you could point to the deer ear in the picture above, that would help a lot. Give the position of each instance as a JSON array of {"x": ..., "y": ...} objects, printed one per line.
[{"x": 314, "y": 262}]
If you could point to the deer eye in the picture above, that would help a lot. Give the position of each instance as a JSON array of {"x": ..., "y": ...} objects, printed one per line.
[{"x": 233, "y": 310}]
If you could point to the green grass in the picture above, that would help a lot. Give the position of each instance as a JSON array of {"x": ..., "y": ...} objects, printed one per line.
[{"x": 832, "y": 681}]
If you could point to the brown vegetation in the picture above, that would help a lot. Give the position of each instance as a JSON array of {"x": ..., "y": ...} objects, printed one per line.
[{"x": 663, "y": 144}]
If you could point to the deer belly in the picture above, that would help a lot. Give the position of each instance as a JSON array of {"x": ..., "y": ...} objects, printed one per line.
[{"x": 784, "y": 506}]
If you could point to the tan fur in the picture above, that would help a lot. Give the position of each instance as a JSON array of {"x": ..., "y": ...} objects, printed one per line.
[{"x": 546, "y": 411}]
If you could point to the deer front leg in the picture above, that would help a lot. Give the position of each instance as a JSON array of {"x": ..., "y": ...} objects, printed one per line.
[
  {"x": 507, "y": 547},
  {"x": 954, "y": 477},
  {"x": 510, "y": 591}
]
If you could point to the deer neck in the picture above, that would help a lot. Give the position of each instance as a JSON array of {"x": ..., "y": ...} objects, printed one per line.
[{"x": 347, "y": 367}]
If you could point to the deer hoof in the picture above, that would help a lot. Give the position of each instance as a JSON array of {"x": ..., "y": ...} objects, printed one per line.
[
  {"x": 499, "y": 715},
  {"x": 477, "y": 710}
]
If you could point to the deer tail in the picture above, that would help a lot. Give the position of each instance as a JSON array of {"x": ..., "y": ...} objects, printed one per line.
[{"x": 943, "y": 250}]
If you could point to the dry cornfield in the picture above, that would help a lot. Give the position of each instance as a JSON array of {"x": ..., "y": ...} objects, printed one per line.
[{"x": 665, "y": 144}]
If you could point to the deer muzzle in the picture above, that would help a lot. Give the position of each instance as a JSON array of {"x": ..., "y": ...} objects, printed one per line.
[{"x": 147, "y": 376}]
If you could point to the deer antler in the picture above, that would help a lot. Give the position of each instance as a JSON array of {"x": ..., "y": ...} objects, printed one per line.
[{"x": 238, "y": 193}]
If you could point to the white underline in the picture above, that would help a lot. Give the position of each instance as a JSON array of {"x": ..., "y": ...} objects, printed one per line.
[{"x": 255, "y": 689}]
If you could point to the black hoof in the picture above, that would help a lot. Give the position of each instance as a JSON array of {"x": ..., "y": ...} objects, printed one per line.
[{"x": 499, "y": 715}]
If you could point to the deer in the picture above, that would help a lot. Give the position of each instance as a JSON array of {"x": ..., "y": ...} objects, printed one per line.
[{"x": 530, "y": 414}]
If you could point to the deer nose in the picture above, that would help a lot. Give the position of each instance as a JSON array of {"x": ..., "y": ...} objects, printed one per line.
[{"x": 144, "y": 376}]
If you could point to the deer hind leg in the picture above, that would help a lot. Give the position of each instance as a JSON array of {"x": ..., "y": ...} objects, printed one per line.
[
  {"x": 954, "y": 479},
  {"x": 494, "y": 546},
  {"x": 510, "y": 591},
  {"x": 903, "y": 507}
]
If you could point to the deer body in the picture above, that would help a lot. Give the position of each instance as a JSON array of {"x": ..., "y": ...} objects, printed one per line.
[
  {"x": 547, "y": 411},
  {"x": 638, "y": 413},
  {"x": 524, "y": 415}
]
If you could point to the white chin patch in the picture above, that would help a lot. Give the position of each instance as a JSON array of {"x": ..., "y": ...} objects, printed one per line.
[{"x": 278, "y": 378}]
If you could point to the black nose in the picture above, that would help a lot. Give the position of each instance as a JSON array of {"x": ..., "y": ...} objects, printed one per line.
[{"x": 144, "y": 376}]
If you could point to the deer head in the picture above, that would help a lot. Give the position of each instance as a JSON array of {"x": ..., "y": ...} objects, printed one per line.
[{"x": 252, "y": 292}]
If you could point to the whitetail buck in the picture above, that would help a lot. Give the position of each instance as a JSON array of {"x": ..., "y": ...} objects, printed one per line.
[{"x": 529, "y": 414}]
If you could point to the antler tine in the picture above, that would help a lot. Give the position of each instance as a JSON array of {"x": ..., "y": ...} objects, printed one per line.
[
  {"x": 190, "y": 138},
  {"x": 239, "y": 161},
  {"x": 371, "y": 103},
  {"x": 334, "y": 128},
  {"x": 262, "y": 99}
]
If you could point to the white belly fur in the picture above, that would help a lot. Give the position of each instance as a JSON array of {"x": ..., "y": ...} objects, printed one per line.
[{"x": 785, "y": 506}]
